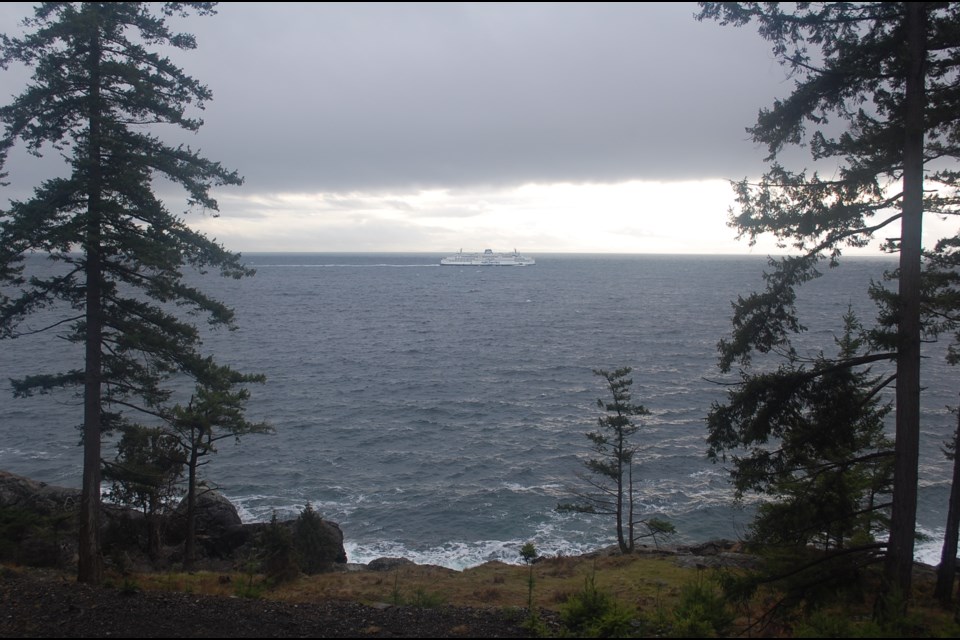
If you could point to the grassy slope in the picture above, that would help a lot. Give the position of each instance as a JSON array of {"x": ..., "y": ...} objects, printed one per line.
[{"x": 648, "y": 584}]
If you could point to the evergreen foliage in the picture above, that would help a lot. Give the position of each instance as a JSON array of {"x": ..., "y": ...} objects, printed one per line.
[
  {"x": 145, "y": 473},
  {"x": 610, "y": 481},
  {"x": 528, "y": 553},
  {"x": 98, "y": 95},
  {"x": 657, "y": 529},
  {"x": 31, "y": 538},
  {"x": 279, "y": 557},
  {"x": 702, "y": 611},
  {"x": 216, "y": 411},
  {"x": 875, "y": 101},
  {"x": 592, "y": 613},
  {"x": 811, "y": 442},
  {"x": 312, "y": 542}
]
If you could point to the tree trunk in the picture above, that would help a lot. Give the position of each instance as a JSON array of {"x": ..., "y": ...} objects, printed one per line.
[
  {"x": 622, "y": 541},
  {"x": 946, "y": 572},
  {"x": 899, "y": 564},
  {"x": 153, "y": 535},
  {"x": 89, "y": 568},
  {"x": 630, "y": 525},
  {"x": 190, "y": 543}
]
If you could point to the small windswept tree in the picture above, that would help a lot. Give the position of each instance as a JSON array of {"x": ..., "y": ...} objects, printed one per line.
[
  {"x": 216, "y": 411},
  {"x": 145, "y": 474},
  {"x": 610, "y": 479},
  {"x": 313, "y": 542}
]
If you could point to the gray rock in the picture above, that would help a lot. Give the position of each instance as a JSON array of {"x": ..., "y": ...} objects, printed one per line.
[
  {"x": 215, "y": 516},
  {"x": 388, "y": 564},
  {"x": 17, "y": 491},
  {"x": 39, "y": 528}
]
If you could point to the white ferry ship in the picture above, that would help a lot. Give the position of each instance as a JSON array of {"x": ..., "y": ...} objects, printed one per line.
[{"x": 487, "y": 259}]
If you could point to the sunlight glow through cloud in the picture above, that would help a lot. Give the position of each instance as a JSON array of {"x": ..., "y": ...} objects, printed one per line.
[{"x": 628, "y": 217}]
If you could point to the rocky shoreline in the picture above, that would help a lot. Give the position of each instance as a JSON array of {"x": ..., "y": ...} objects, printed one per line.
[
  {"x": 39, "y": 530},
  {"x": 223, "y": 540},
  {"x": 48, "y": 602}
]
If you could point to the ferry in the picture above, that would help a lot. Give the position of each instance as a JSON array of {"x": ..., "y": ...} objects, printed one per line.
[{"x": 487, "y": 259}]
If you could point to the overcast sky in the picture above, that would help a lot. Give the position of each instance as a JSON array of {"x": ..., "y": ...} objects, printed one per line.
[{"x": 434, "y": 127}]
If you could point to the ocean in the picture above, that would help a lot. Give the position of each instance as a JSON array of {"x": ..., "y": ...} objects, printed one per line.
[{"x": 438, "y": 413}]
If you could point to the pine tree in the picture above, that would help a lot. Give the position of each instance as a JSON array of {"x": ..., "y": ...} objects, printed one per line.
[
  {"x": 875, "y": 98},
  {"x": 144, "y": 474},
  {"x": 215, "y": 412},
  {"x": 808, "y": 438},
  {"x": 610, "y": 478},
  {"x": 98, "y": 95}
]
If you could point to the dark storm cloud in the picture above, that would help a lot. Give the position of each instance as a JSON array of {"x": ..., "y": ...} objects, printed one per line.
[
  {"x": 386, "y": 96},
  {"x": 378, "y": 97}
]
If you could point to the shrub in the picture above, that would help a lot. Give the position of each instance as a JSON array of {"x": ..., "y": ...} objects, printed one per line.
[
  {"x": 702, "y": 612},
  {"x": 312, "y": 542},
  {"x": 279, "y": 563},
  {"x": 424, "y": 599},
  {"x": 33, "y": 539},
  {"x": 595, "y": 613}
]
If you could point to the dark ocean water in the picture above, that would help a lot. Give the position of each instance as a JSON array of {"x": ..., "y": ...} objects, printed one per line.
[{"x": 438, "y": 413}]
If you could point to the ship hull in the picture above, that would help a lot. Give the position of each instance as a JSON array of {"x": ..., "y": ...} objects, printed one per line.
[{"x": 487, "y": 259}]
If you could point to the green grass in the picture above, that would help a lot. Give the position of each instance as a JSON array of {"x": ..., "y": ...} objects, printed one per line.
[{"x": 651, "y": 592}]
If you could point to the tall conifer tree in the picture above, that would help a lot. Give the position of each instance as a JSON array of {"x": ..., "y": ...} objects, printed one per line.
[
  {"x": 98, "y": 95},
  {"x": 876, "y": 100}
]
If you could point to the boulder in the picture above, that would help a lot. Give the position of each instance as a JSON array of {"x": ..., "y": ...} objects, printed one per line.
[
  {"x": 38, "y": 527},
  {"x": 316, "y": 550},
  {"x": 17, "y": 491},
  {"x": 38, "y": 522},
  {"x": 215, "y": 516},
  {"x": 388, "y": 564}
]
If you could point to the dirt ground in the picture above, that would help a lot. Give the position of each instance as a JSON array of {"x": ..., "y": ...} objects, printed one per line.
[{"x": 38, "y": 605}]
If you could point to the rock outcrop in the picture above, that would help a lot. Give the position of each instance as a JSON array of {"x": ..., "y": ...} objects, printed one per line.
[{"x": 38, "y": 527}]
